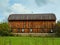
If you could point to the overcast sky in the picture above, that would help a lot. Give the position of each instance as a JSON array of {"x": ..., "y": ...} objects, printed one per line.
[{"x": 8, "y": 7}]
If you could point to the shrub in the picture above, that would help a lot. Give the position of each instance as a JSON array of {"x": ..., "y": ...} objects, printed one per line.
[
  {"x": 5, "y": 29},
  {"x": 57, "y": 29}
]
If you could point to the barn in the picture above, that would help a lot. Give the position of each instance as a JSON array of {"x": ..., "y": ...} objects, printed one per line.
[{"x": 32, "y": 23}]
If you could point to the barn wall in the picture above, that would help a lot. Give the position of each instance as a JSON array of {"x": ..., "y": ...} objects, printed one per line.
[{"x": 36, "y": 26}]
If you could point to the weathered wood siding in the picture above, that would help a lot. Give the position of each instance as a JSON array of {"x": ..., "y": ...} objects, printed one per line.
[{"x": 36, "y": 26}]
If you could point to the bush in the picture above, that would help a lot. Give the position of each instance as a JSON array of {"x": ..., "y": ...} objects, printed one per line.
[
  {"x": 5, "y": 33},
  {"x": 5, "y": 29},
  {"x": 57, "y": 29}
]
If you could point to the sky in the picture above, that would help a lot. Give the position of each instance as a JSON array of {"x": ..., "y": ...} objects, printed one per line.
[{"x": 8, "y": 7}]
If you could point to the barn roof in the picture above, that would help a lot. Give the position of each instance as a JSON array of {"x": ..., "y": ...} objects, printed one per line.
[{"x": 32, "y": 17}]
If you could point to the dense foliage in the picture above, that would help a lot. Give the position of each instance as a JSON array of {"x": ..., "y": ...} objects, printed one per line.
[
  {"x": 4, "y": 29},
  {"x": 57, "y": 28}
]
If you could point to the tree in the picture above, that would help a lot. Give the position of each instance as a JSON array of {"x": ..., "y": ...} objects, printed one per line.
[
  {"x": 57, "y": 28},
  {"x": 4, "y": 29}
]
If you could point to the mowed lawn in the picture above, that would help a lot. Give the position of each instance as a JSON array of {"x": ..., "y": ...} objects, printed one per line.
[{"x": 29, "y": 41}]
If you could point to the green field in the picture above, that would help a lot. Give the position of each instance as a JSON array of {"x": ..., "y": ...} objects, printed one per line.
[{"x": 29, "y": 41}]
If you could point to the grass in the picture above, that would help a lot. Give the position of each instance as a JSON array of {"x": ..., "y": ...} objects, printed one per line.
[{"x": 29, "y": 41}]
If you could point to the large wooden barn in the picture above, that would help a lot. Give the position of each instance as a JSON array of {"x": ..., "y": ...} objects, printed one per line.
[{"x": 32, "y": 23}]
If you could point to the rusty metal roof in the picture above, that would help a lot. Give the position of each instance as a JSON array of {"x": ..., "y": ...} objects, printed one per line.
[{"x": 32, "y": 17}]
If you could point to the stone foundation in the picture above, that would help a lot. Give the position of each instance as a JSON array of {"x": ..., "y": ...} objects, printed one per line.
[{"x": 34, "y": 34}]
